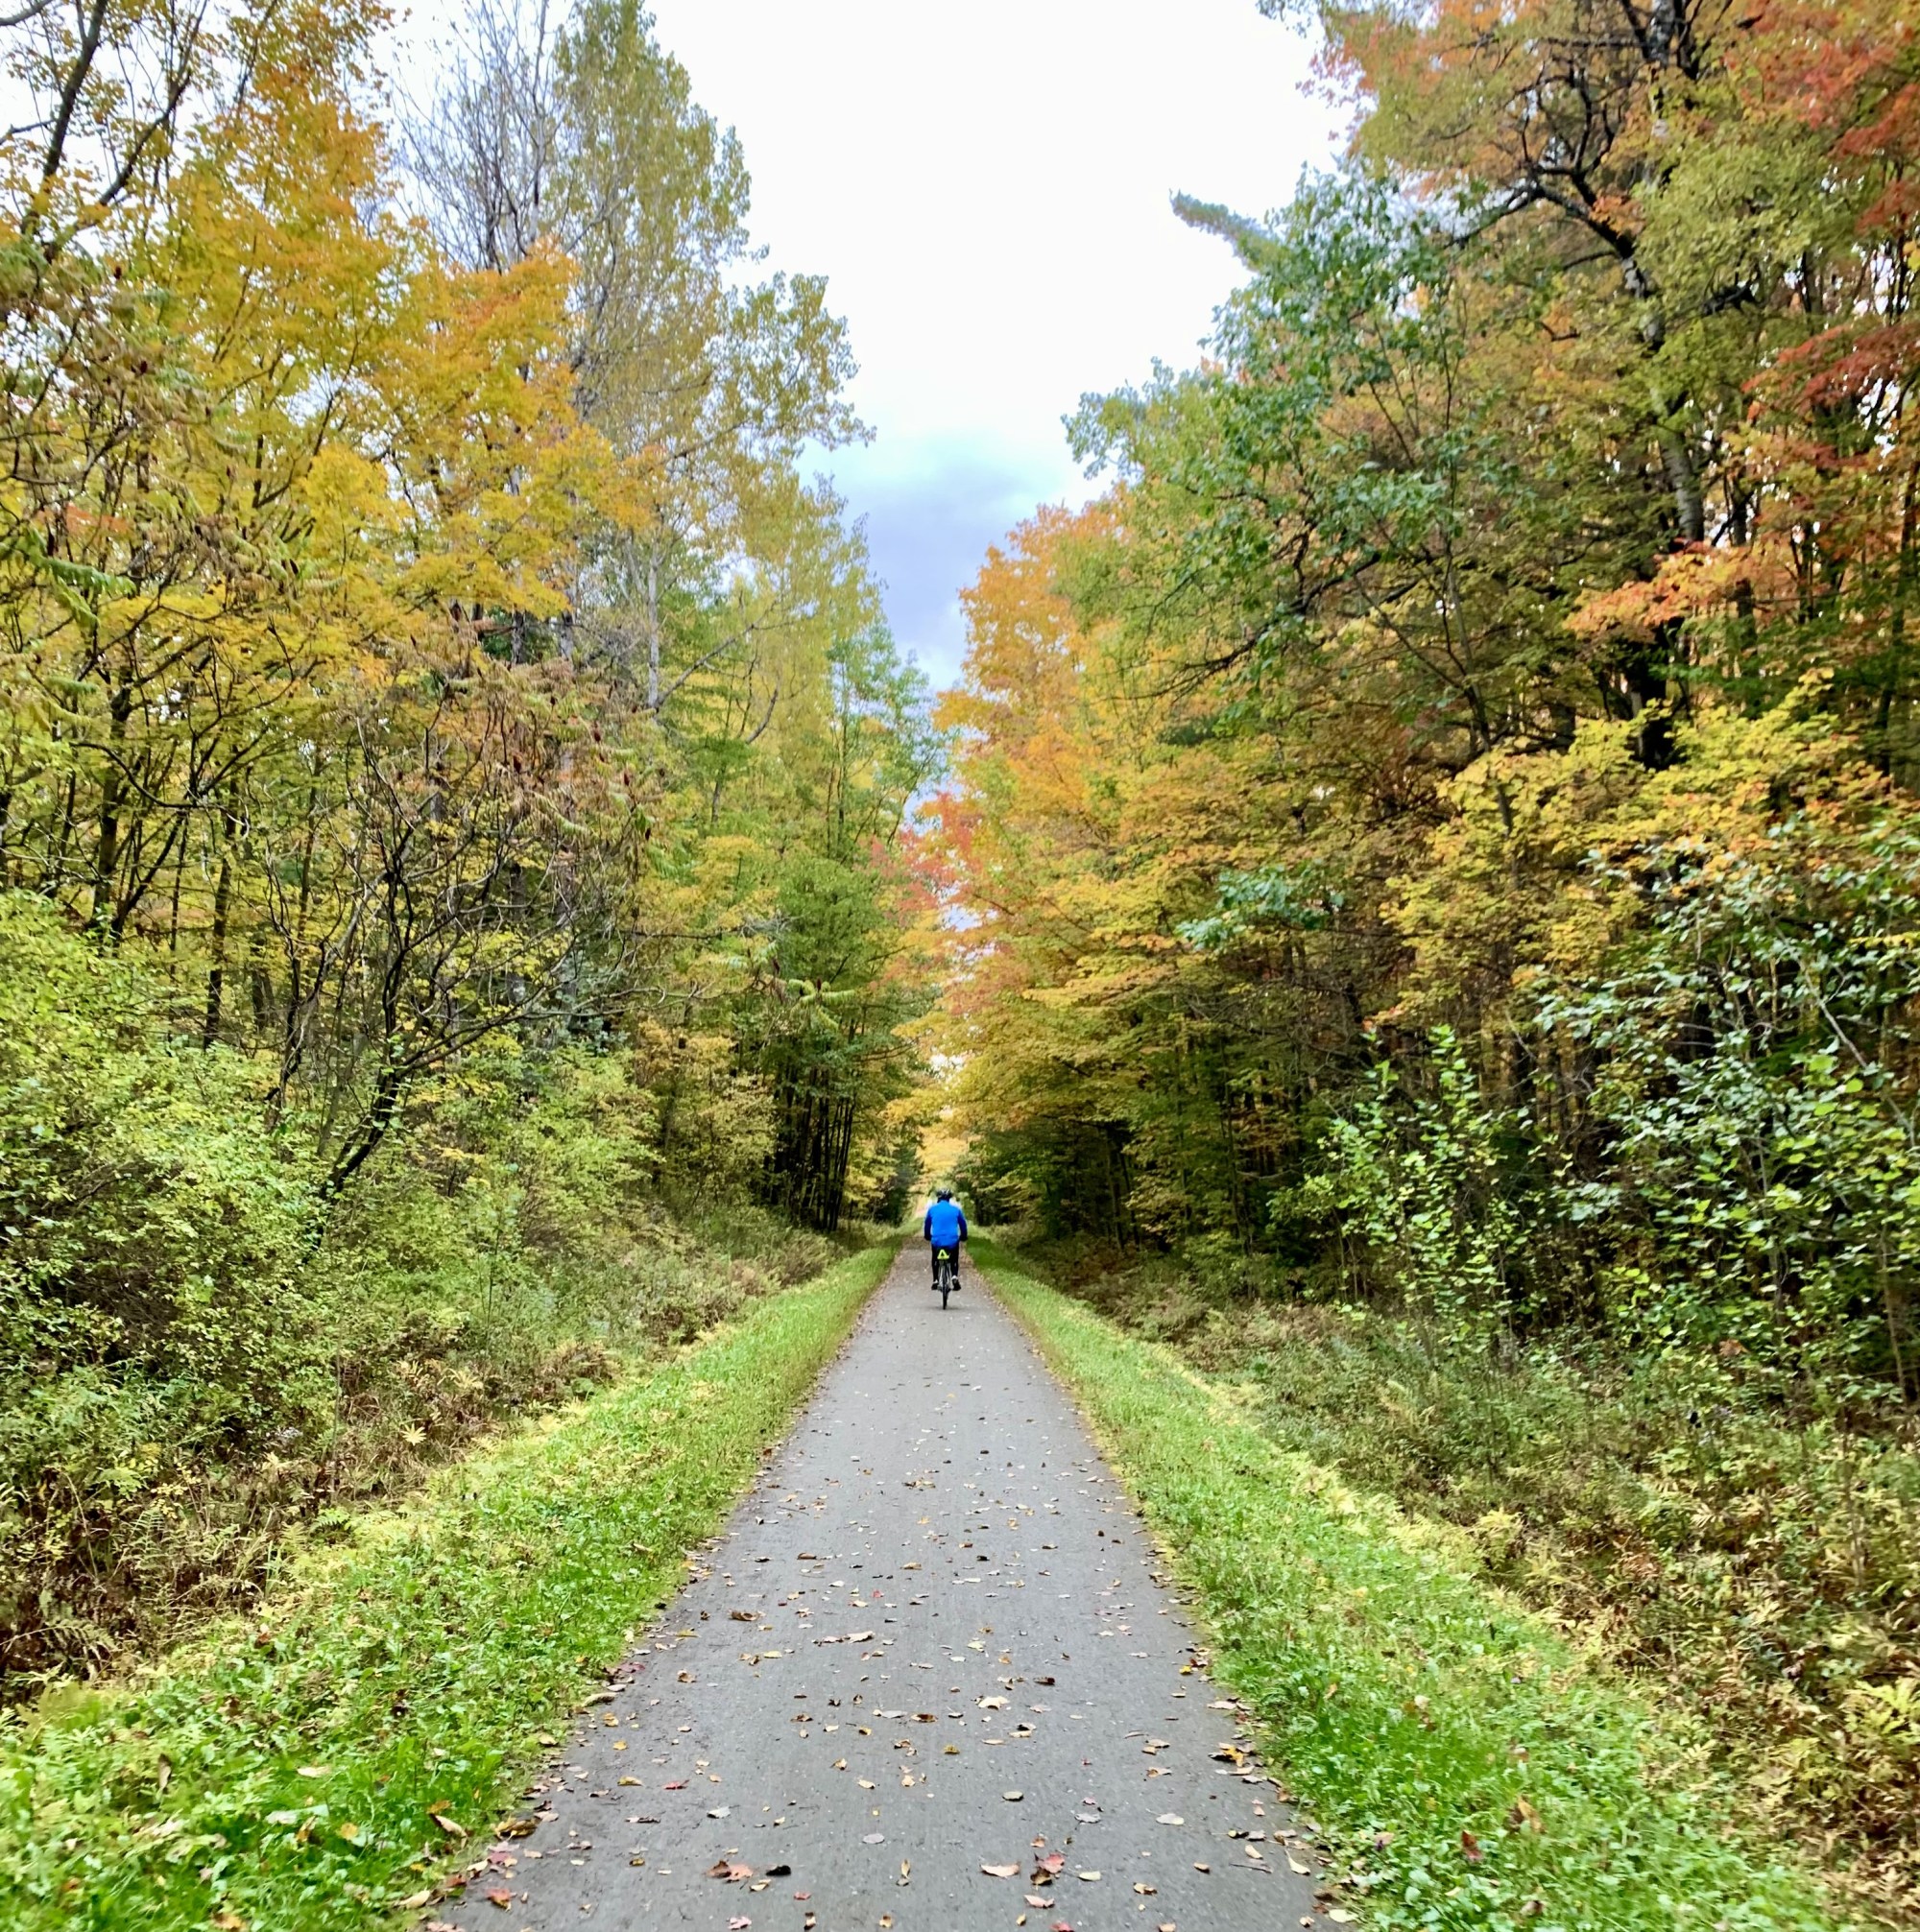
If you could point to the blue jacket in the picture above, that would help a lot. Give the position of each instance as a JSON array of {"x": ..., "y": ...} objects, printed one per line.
[{"x": 944, "y": 1226}]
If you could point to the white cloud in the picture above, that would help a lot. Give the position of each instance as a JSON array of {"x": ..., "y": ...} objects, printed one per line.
[{"x": 986, "y": 189}]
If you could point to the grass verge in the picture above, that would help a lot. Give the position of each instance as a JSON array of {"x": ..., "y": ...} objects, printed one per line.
[
  {"x": 1469, "y": 1766},
  {"x": 291, "y": 1773}
]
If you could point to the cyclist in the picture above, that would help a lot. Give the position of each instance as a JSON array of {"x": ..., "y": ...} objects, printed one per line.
[{"x": 945, "y": 1228}]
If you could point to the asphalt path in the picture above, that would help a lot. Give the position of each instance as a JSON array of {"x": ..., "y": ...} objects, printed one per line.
[{"x": 926, "y": 1679}]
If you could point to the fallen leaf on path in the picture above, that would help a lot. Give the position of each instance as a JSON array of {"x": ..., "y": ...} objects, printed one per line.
[
  {"x": 1037, "y": 1898},
  {"x": 629, "y": 1781},
  {"x": 738, "y": 1923},
  {"x": 1008, "y": 1872},
  {"x": 1145, "y": 1890},
  {"x": 416, "y": 1900},
  {"x": 745, "y": 1616},
  {"x": 1171, "y": 1818},
  {"x": 1013, "y": 1797},
  {"x": 867, "y": 1785},
  {"x": 500, "y": 1898},
  {"x": 992, "y": 1704},
  {"x": 679, "y": 1784},
  {"x": 874, "y": 1838},
  {"x": 1294, "y": 1866},
  {"x": 1088, "y": 1877},
  {"x": 451, "y": 1826}
]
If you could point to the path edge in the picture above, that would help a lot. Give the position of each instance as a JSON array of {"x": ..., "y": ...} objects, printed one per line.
[
  {"x": 1705, "y": 1869},
  {"x": 97, "y": 1788}
]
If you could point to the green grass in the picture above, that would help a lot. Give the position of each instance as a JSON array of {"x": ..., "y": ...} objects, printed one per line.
[
  {"x": 1471, "y": 1764},
  {"x": 284, "y": 1776}
]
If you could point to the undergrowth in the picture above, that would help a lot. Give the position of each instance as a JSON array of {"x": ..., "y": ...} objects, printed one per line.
[
  {"x": 311, "y": 1766},
  {"x": 1471, "y": 1766},
  {"x": 1760, "y": 1568},
  {"x": 203, "y": 1357}
]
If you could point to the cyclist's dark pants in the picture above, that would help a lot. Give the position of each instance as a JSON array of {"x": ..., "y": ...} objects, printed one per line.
[{"x": 938, "y": 1251}]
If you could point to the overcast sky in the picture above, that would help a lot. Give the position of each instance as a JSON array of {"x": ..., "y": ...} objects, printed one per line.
[{"x": 986, "y": 188}]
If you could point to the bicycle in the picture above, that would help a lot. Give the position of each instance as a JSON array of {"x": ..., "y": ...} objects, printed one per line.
[{"x": 945, "y": 1272}]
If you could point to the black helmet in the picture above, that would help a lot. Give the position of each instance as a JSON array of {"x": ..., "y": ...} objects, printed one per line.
[{"x": 943, "y": 1193}]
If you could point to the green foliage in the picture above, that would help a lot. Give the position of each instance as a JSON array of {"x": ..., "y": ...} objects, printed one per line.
[
  {"x": 1757, "y": 1041},
  {"x": 1425, "y": 1192},
  {"x": 145, "y": 1214},
  {"x": 1275, "y": 897},
  {"x": 199, "y": 1353}
]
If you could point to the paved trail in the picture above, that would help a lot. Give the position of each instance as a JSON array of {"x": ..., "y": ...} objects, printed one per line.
[{"x": 929, "y": 1641}]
